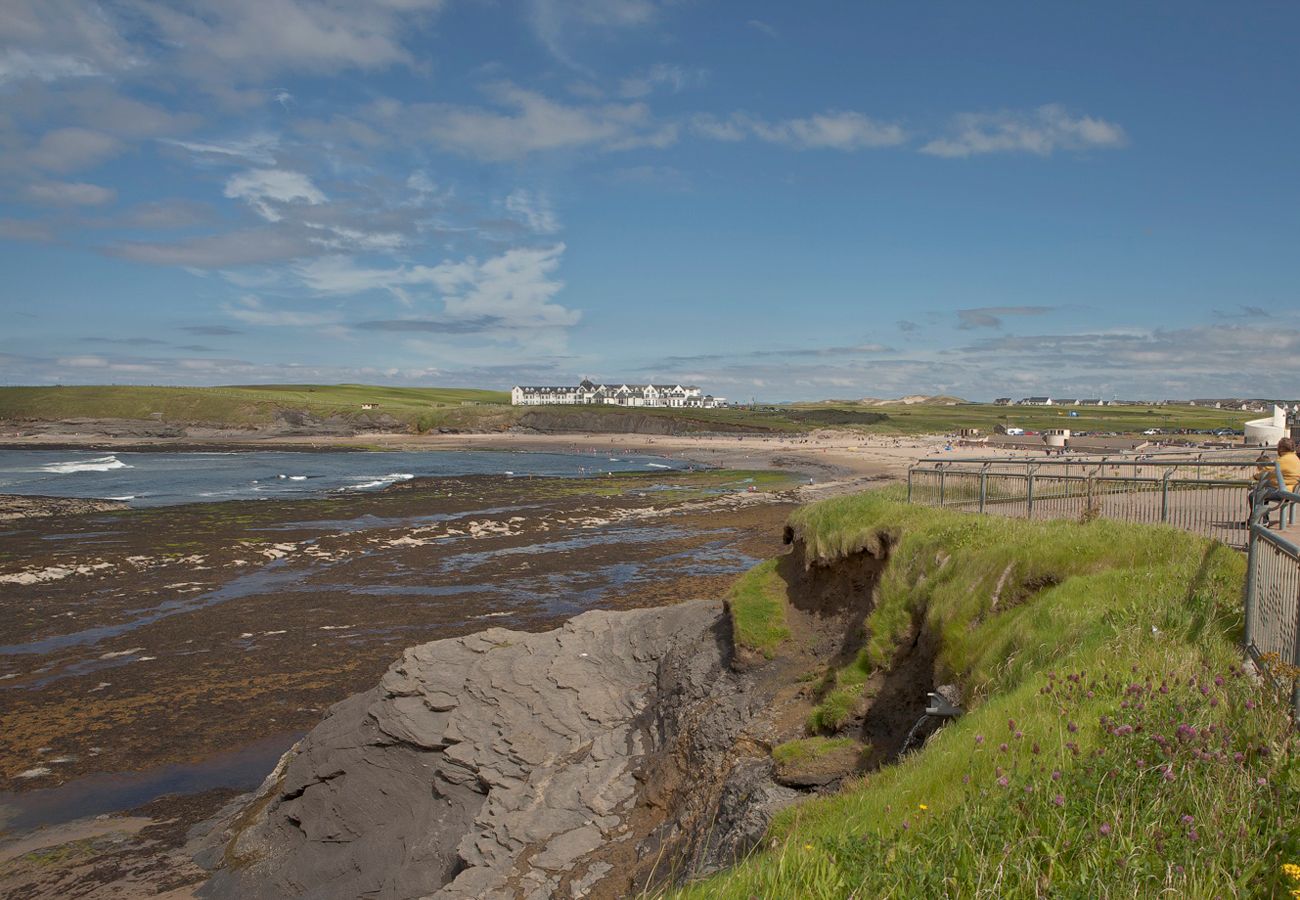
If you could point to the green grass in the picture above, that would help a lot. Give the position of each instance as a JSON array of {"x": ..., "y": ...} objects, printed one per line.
[
  {"x": 806, "y": 750},
  {"x": 758, "y": 603},
  {"x": 841, "y": 694},
  {"x": 248, "y": 404},
  {"x": 1112, "y": 746},
  {"x": 424, "y": 409},
  {"x": 924, "y": 418}
]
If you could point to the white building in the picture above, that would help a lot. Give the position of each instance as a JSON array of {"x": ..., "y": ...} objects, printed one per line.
[{"x": 590, "y": 394}]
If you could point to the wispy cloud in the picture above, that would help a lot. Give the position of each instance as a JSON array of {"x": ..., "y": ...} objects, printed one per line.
[
  {"x": 259, "y": 149},
  {"x": 534, "y": 210},
  {"x": 764, "y": 27},
  {"x": 991, "y": 316},
  {"x": 70, "y": 193},
  {"x": 266, "y": 190},
  {"x": 665, "y": 76},
  {"x": 844, "y": 130},
  {"x": 1041, "y": 131},
  {"x": 529, "y": 122}
]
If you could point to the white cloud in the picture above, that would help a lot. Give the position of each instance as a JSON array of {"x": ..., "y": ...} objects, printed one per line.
[
  {"x": 16, "y": 65},
  {"x": 247, "y": 38},
  {"x": 236, "y": 248},
  {"x": 53, "y": 40},
  {"x": 1040, "y": 131},
  {"x": 258, "y": 149},
  {"x": 253, "y": 311},
  {"x": 70, "y": 193},
  {"x": 537, "y": 123},
  {"x": 766, "y": 28},
  {"x": 67, "y": 149},
  {"x": 264, "y": 189},
  {"x": 558, "y": 21},
  {"x": 845, "y": 131},
  {"x": 515, "y": 289},
  {"x": 533, "y": 209}
]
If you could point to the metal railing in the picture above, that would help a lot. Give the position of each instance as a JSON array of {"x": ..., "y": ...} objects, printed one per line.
[
  {"x": 1207, "y": 494},
  {"x": 1272, "y": 596}
]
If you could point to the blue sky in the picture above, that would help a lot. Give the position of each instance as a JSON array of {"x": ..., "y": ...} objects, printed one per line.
[{"x": 773, "y": 200}]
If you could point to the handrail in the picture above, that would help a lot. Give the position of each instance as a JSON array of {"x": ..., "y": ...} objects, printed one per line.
[{"x": 1091, "y": 460}]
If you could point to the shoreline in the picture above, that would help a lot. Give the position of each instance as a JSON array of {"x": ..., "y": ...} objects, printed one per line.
[{"x": 825, "y": 454}]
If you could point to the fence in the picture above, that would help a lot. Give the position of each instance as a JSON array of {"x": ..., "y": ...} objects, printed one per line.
[{"x": 1206, "y": 494}]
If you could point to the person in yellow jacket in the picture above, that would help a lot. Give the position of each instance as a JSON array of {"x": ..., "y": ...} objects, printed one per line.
[{"x": 1289, "y": 464}]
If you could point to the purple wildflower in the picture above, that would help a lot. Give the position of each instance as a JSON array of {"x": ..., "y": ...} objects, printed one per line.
[
  {"x": 1059, "y": 800},
  {"x": 1104, "y": 829}
]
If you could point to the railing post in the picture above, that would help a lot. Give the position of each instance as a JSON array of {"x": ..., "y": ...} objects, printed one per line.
[
  {"x": 909, "y": 485},
  {"x": 1249, "y": 600},
  {"x": 942, "y": 473},
  {"x": 1029, "y": 493},
  {"x": 1295, "y": 661},
  {"x": 1164, "y": 496},
  {"x": 984, "y": 482}
]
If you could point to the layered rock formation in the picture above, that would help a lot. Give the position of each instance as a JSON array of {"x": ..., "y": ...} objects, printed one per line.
[{"x": 577, "y": 762}]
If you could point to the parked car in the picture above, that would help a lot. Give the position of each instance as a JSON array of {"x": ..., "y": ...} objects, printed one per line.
[
  {"x": 1015, "y": 431},
  {"x": 1152, "y": 431}
]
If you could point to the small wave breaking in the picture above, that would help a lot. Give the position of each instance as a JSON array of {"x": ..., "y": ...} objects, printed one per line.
[
  {"x": 100, "y": 464},
  {"x": 383, "y": 481}
]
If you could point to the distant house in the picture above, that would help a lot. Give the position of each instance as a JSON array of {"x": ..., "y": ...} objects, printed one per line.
[
  {"x": 587, "y": 393},
  {"x": 1036, "y": 401},
  {"x": 1067, "y": 402},
  {"x": 370, "y": 406},
  {"x": 1002, "y": 401},
  {"x": 1092, "y": 402}
]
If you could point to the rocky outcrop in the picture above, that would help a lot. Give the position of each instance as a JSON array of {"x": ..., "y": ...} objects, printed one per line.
[
  {"x": 18, "y": 506},
  {"x": 584, "y": 761}
]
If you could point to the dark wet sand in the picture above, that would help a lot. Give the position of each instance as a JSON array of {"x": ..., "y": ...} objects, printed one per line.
[{"x": 181, "y": 649}]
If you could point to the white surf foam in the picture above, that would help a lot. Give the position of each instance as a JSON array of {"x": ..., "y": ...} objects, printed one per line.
[
  {"x": 658, "y": 466},
  {"x": 383, "y": 481},
  {"x": 101, "y": 464}
]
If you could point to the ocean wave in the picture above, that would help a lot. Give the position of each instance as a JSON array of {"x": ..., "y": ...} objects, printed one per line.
[
  {"x": 101, "y": 464},
  {"x": 382, "y": 481},
  {"x": 658, "y": 466},
  {"x": 124, "y": 497},
  {"x": 292, "y": 477}
]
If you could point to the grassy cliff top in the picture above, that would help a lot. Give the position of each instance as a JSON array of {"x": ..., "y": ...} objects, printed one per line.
[{"x": 1112, "y": 747}]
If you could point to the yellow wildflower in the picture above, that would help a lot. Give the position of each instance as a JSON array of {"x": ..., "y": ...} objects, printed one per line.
[
  {"x": 1292, "y": 871},
  {"x": 807, "y": 846},
  {"x": 923, "y": 807}
]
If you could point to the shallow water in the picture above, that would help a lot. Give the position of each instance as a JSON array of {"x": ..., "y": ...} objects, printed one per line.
[
  {"x": 165, "y": 479},
  {"x": 241, "y": 769}
]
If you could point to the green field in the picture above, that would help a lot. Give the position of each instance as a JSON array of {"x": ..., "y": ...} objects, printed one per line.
[
  {"x": 243, "y": 405},
  {"x": 422, "y": 409},
  {"x": 1112, "y": 745}
]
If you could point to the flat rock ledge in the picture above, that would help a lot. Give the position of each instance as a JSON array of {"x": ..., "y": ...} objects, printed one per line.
[{"x": 508, "y": 764}]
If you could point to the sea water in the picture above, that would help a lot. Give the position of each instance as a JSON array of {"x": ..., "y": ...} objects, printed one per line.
[{"x": 164, "y": 479}]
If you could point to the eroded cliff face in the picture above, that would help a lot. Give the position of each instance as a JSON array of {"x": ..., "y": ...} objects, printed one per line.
[
  {"x": 501, "y": 764},
  {"x": 622, "y": 751}
]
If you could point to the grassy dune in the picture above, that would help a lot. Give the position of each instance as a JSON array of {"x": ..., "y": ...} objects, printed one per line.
[{"x": 1112, "y": 747}]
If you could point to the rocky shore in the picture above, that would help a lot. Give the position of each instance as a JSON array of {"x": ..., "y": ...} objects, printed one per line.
[
  {"x": 16, "y": 506},
  {"x": 620, "y": 753},
  {"x": 505, "y": 764}
]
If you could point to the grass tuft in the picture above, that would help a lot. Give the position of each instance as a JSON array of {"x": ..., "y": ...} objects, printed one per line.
[{"x": 758, "y": 604}]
